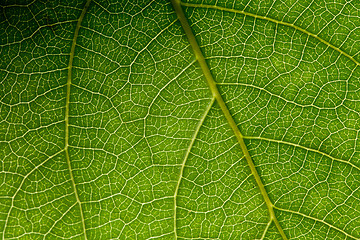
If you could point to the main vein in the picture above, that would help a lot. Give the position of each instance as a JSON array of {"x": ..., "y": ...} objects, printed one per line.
[
  {"x": 215, "y": 92},
  {"x": 67, "y": 109}
]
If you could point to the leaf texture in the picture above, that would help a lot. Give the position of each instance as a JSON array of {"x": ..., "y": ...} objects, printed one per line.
[{"x": 180, "y": 120}]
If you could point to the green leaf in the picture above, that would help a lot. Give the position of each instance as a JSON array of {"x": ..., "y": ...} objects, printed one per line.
[{"x": 165, "y": 120}]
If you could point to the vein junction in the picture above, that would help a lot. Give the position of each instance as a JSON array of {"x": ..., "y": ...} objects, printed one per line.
[{"x": 216, "y": 94}]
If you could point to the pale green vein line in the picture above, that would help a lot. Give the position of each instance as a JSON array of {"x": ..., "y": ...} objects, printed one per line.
[
  {"x": 160, "y": 91},
  {"x": 265, "y": 230},
  {"x": 20, "y": 186},
  {"x": 67, "y": 109},
  {"x": 305, "y": 148},
  {"x": 274, "y": 21},
  {"x": 222, "y": 206},
  {"x": 214, "y": 90},
  {"x": 187, "y": 156},
  {"x": 274, "y": 95},
  {"x": 315, "y": 219},
  {"x": 59, "y": 219}
]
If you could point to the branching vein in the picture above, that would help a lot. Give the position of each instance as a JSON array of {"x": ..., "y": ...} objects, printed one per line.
[
  {"x": 187, "y": 156},
  {"x": 305, "y": 148},
  {"x": 316, "y": 220},
  {"x": 274, "y": 21},
  {"x": 215, "y": 92}
]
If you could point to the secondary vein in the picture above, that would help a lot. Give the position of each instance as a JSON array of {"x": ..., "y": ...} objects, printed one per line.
[
  {"x": 275, "y": 21},
  {"x": 316, "y": 220},
  {"x": 305, "y": 148},
  {"x": 187, "y": 156},
  {"x": 215, "y": 92},
  {"x": 67, "y": 110}
]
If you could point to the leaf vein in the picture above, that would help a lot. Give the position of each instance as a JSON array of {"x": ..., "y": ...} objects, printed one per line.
[
  {"x": 305, "y": 148},
  {"x": 192, "y": 141},
  {"x": 215, "y": 92},
  {"x": 316, "y": 220},
  {"x": 274, "y": 21},
  {"x": 67, "y": 113}
]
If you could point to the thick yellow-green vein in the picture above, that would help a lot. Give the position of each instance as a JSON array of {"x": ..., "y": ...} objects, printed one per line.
[
  {"x": 67, "y": 109},
  {"x": 215, "y": 92}
]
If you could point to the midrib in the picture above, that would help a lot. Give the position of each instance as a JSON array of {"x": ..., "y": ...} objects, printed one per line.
[
  {"x": 216, "y": 94},
  {"x": 67, "y": 109}
]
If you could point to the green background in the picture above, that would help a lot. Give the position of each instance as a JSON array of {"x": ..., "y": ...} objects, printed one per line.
[{"x": 150, "y": 153}]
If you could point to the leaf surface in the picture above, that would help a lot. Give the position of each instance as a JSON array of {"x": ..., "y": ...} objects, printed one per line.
[{"x": 168, "y": 120}]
